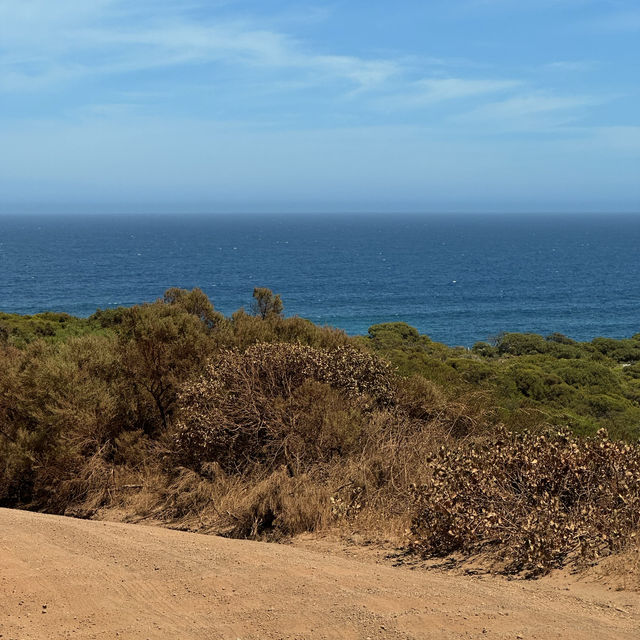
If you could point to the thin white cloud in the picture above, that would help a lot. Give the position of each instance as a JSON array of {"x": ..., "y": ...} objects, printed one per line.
[
  {"x": 571, "y": 65},
  {"x": 33, "y": 32},
  {"x": 430, "y": 91},
  {"x": 46, "y": 44},
  {"x": 528, "y": 112}
]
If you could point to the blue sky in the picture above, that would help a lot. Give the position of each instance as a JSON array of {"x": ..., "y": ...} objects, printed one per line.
[{"x": 237, "y": 105}]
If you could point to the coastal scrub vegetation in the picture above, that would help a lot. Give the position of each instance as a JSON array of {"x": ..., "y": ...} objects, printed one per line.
[
  {"x": 532, "y": 502},
  {"x": 258, "y": 425}
]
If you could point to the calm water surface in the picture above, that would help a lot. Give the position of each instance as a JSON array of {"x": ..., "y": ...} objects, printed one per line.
[{"x": 457, "y": 278}]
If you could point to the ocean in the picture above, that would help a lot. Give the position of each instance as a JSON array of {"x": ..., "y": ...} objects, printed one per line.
[{"x": 457, "y": 278}]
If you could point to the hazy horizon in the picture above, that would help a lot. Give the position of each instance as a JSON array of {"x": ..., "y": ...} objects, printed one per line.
[{"x": 286, "y": 210}]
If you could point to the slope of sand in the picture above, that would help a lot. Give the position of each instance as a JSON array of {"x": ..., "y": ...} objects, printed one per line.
[{"x": 66, "y": 578}]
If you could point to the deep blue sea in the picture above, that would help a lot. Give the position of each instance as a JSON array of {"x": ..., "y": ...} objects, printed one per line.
[{"x": 458, "y": 278}]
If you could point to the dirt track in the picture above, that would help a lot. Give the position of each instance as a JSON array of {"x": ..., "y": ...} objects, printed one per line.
[{"x": 66, "y": 578}]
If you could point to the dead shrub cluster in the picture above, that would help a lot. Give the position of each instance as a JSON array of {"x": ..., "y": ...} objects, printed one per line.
[
  {"x": 534, "y": 502},
  {"x": 313, "y": 436},
  {"x": 280, "y": 403}
]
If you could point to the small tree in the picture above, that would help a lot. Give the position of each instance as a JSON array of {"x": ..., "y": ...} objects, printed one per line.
[
  {"x": 160, "y": 346},
  {"x": 266, "y": 303},
  {"x": 196, "y": 303}
]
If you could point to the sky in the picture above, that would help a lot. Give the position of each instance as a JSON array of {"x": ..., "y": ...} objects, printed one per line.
[{"x": 358, "y": 105}]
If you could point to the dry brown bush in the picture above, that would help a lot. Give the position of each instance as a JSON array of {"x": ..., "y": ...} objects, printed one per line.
[
  {"x": 280, "y": 403},
  {"x": 365, "y": 491},
  {"x": 534, "y": 502},
  {"x": 349, "y": 433},
  {"x": 424, "y": 401}
]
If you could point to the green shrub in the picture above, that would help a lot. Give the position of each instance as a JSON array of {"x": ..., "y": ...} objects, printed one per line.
[
  {"x": 484, "y": 349},
  {"x": 520, "y": 344},
  {"x": 160, "y": 345},
  {"x": 588, "y": 374},
  {"x": 560, "y": 339},
  {"x": 619, "y": 350}
]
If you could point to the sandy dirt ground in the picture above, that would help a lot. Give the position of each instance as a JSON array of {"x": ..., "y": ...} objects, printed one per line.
[{"x": 67, "y": 578}]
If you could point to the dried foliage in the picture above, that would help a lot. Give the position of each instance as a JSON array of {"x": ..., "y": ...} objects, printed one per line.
[
  {"x": 535, "y": 502},
  {"x": 280, "y": 403}
]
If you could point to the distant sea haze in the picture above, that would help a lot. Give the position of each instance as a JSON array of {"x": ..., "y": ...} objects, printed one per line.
[{"x": 457, "y": 278}]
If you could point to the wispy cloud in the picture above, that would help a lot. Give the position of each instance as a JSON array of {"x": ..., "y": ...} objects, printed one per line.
[
  {"x": 577, "y": 66},
  {"x": 46, "y": 45},
  {"x": 41, "y": 46},
  {"x": 527, "y": 112},
  {"x": 231, "y": 43},
  {"x": 429, "y": 91}
]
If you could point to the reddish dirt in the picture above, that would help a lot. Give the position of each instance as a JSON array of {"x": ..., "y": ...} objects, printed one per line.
[{"x": 67, "y": 578}]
